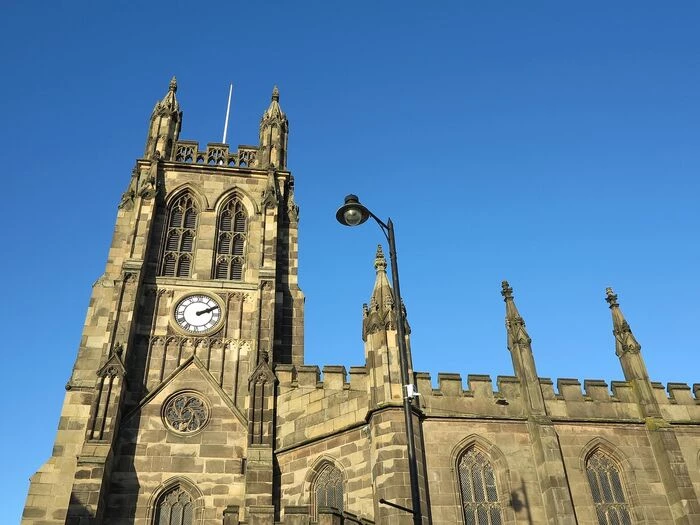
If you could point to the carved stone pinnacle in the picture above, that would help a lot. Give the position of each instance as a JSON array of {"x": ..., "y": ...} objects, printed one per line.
[
  {"x": 379, "y": 260},
  {"x": 507, "y": 291}
]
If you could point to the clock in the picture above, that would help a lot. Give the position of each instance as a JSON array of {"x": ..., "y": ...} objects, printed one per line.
[{"x": 197, "y": 313}]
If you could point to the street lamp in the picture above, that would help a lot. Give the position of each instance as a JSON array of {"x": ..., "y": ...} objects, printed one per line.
[{"x": 352, "y": 213}]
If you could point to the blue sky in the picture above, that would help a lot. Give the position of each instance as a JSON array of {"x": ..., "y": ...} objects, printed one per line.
[{"x": 553, "y": 144}]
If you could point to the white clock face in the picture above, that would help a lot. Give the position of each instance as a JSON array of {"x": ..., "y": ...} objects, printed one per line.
[{"x": 197, "y": 313}]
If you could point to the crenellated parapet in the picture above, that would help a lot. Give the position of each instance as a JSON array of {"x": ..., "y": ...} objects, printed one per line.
[
  {"x": 311, "y": 406},
  {"x": 596, "y": 400}
]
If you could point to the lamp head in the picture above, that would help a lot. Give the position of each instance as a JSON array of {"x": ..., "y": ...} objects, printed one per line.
[{"x": 352, "y": 213}]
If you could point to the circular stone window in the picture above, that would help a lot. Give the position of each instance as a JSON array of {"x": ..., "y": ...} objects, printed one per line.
[{"x": 186, "y": 413}]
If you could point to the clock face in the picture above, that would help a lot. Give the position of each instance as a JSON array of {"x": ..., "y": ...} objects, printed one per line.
[{"x": 197, "y": 313}]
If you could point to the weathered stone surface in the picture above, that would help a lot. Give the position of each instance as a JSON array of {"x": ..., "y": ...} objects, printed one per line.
[{"x": 273, "y": 440}]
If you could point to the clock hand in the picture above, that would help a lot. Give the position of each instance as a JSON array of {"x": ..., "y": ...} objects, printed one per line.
[{"x": 202, "y": 312}]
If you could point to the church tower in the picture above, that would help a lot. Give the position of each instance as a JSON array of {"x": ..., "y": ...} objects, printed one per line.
[{"x": 168, "y": 413}]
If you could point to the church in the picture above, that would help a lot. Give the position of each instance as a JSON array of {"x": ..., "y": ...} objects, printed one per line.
[{"x": 190, "y": 402}]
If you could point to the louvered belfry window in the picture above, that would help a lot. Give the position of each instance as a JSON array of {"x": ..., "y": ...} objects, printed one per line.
[
  {"x": 328, "y": 489},
  {"x": 477, "y": 484},
  {"x": 231, "y": 237},
  {"x": 179, "y": 238},
  {"x": 174, "y": 507},
  {"x": 606, "y": 487}
]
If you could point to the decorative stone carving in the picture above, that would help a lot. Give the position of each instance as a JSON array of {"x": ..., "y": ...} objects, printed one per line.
[
  {"x": 625, "y": 342},
  {"x": 148, "y": 181},
  {"x": 270, "y": 195},
  {"x": 186, "y": 413},
  {"x": 292, "y": 209}
]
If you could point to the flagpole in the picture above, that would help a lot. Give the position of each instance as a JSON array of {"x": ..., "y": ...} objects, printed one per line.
[{"x": 228, "y": 109}]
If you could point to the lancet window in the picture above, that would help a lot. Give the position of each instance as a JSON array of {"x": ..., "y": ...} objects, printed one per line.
[
  {"x": 180, "y": 237},
  {"x": 606, "y": 487},
  {"x": 477, "y": 483},
  {"x": 231, "y": 236},
  {"x": 174, "y": 507},
  {"x": 328, "y": 489}
]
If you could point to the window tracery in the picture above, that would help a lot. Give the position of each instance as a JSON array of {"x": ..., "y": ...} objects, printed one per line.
[
  {"x": 174, "y": 507},
  {"x": 477, "y": 483},
  {"x": 606, "y": 487},
  {"x": 180, "y": 238},
  {"x": 186, "y": 413},
  {"x": 231, "y": 236},
  {"x": 328, "y": 489}
]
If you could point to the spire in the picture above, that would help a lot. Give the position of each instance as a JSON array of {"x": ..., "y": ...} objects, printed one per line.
[
  {"x": 625, "y": 343},
  {"x": 380, "y": 261},
  {"x": 381, "y": 312},
  {"x": 628, "y": 350},
  {"x": 519, "y": 344},
  {"x": 274, "y": 111},
  {"x": 515, "y": 326},
  {"x": 168, "y": 104},
  {"x": 164, "y": 128},
  {"x": 274, "y": 130},
  {"x": 382, "y": 299}
]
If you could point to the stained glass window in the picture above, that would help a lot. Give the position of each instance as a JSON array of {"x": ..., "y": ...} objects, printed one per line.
[
  {"x": 477, "y": 484},
  {"x": 174, "y": 507},
  {"x": 606, "y": 487},
  {"x": 328, "y": 489}
]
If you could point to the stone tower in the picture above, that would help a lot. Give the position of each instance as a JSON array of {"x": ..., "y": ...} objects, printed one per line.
[
  {"x": 190, "y": 402},
  {"x": 170, "y": 405}
]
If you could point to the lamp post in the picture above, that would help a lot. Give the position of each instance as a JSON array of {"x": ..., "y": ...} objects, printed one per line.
[{"x": 352, "y": 213}]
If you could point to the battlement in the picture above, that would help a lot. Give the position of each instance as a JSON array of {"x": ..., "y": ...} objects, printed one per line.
[
  {"x": 309, "y": 376},
  {"x": 218, "y": 154},
  {"x": 568, "y": 389},
  {"x": 312, "y": 406},
  {"x": 679, "y": 402}
]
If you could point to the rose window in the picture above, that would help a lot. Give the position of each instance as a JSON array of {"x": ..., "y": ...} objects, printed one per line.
[{"x": 186, "y": 413}]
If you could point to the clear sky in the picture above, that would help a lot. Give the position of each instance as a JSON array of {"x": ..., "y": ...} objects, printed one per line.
[{"x": 553, "y": 144}]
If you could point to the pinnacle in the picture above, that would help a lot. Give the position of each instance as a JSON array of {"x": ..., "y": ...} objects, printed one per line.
[
  {"x": 379, "y": 260},
  {"x": 625, "y": 341},
  {"x": 511, "y": 310},
  {"x": 507, "y": 291},
  {"x": 274, "y": 111},
  {"x": 173, "y": 84}
]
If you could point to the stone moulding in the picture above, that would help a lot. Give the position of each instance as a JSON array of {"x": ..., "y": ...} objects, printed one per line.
[{"x": 216, "y": 154}]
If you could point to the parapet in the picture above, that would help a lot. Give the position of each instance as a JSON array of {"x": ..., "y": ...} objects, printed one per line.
[
  {"x": 450, "y": 399},
  {"x": 595, "y": 401},
  {"x": 334, "y": 377},
  {"x": 216, "y": 154},
  {"x": 312, "y": 405}
]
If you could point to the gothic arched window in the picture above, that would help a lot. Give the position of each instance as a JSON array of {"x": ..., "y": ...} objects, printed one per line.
[
  {"x": 477, "y": 484},
  {"x": 231, "y": 235},
  {"x": 328, "y": 489},
  {"x": 606, "y": 487},
  {"x": 180, "y": 235},
  {"x": 174, "y": 507}
]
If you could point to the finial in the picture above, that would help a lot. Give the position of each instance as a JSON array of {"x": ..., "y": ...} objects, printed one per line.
[
  {"x": 515, "y": 325},
  {"x": 611, "y": 297},
  {"x": 625, "y": 343},
  {"x": 507, "y": 291},
  {"x": 173, "y": 84},
  {"x": 379, "y": 260},
  {"x": 275, "y": 94}
]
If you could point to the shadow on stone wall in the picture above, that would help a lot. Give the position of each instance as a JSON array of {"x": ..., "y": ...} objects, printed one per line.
[{"x": 518, "y": 504}]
